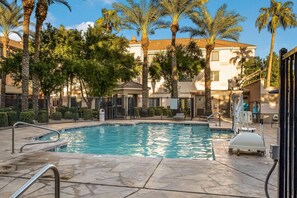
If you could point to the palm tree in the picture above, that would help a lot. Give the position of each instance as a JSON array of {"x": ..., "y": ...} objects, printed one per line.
[
  {"x": 224, "y": 25},
  {"x": 41, "y": 14},
  {"x": 109, "y": 20},
  {"x": 277, "y": 15},
  {"x": 144, "y": 17},
  {"x": 28, "y": 7},
  {"x": 176, "y": 9},
  {"x": 9, "y": 22},
  {"x": 242, "y": 55},
  {"x": 5, "y": 3}
]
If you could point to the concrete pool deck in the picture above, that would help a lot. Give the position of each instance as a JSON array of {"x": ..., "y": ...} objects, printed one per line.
[{"x": 85, "y": 175}]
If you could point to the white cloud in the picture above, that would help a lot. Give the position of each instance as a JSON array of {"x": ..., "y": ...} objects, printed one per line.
[
  {"x": 82, "y": 26},
  {"x": 108, "y": 2}
]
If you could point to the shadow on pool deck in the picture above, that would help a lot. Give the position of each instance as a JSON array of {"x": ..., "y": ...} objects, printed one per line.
[{"x": 85, "y": 175}]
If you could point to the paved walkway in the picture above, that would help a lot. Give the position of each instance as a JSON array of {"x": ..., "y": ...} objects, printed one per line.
[{"x": 118, "y": 177}]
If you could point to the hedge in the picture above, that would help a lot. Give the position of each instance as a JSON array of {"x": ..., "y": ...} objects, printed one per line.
[
  {"x": 42, "y": 116},
  {"x": 12, "y": 117},
  {"x": 27, "y": 116},
  {"x": 151, "y": 112},
  {"x": 3, "y": 119},
  {"x": 88, "y": 114},
  {"x": 56, "y": 116},
  {"x": 68, "y": 115}
]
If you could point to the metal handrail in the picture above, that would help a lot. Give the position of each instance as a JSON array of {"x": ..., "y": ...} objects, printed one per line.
[
  {"x": 212, "y": 115},
  {"x": 36, "y": 126},
  {"x": 41, "y": 172}
]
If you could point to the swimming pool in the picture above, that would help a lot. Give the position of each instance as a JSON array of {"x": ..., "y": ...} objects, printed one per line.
[{"x": 153, "y": 140}]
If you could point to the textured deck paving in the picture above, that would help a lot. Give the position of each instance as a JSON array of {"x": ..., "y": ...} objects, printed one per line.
[{"x": 85, "y": 175}]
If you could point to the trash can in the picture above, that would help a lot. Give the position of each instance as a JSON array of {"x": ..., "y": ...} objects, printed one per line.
[{"x": 102, "y": 115}]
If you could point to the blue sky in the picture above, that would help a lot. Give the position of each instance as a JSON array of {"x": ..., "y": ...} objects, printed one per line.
[{"x": 87, "y": 11}]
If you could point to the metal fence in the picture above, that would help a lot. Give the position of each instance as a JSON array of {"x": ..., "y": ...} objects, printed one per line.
[{"x": 288, "y": 124}]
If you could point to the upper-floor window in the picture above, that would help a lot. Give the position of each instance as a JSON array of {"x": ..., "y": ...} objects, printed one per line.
[
  {"x": 214, "y": 56},
  {"x": 215, "y": 76}
]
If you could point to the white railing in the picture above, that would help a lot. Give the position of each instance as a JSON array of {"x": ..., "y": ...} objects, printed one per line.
[
  {"x": 41, "y": 172},
  {"x": 36, "y": 126}
]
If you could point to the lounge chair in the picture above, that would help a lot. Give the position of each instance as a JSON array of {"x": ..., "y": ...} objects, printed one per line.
[{"x": 179, "y": 116}]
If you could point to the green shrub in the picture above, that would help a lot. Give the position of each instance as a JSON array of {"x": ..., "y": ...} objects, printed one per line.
[
  {"x": 73, "y": 109},
  {"x": 158, "y": 111},
  {"x": 137, "y": 111},
  {"x": 81, "y": 111},
  {"x": 3, "y": 119},
  {"x": 12, "y": 117},
  {"x": 75, "y": 116},
  {"x": 56, "y": 116},
  {"x": 151, "y": 112},
  {"x": 169, "y": 113},
  {"x": 95, "y": 113},
  {"x": 68, "y": 115},
  {"x": 27, "y": 116},
  {"x": 42, "y": 116},
  {"x": 88, "y": 114},
  {"x": 165, "y": 112},
  {"x": 62, "y": 109},
  {"x": 6, "y": 109}
]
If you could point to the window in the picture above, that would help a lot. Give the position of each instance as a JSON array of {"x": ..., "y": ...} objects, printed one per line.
[
  {"x": 215, "y": 76},
  {"x": 154, "y": 102},
  {"x": 214, "y": 56}
]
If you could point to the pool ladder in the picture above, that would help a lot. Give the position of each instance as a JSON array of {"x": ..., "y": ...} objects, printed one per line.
[
  {"x": 36, "y": 126},
  {"x": 41, "y": 172}
]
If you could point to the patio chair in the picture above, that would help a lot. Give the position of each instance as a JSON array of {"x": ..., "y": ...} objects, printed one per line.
[{"x": 179, "y": 116}]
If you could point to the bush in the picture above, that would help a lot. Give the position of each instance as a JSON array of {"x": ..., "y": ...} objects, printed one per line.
[
  {"x": 165, "y": 112},
  {"x": 27, "y": 116},
  {"x": 56, "y": 116},
  {"x": 68, "y": 115},
  {"x": 73, "y": 109},
  {"x": 137, "y": 111},
  {"x": 169, "y": 113},
  {"x": 81, "y": 111},
  {"x": 62, "y": 109},
  {"x": 158, "y": 111},
  {"x": 75, "y": 116},
  {"x": 12, "y": 117},
  {"x": 151, "y": 112},
  {"x": 6, "y": 109},
  {"x": 95, "y": 114},
  {"x": 42, "y": 116},
  {"x": 88, "y": 114},
  {"x": 3, "y": 119}
]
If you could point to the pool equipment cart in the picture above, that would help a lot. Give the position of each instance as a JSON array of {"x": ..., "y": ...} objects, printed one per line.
[{"x": 245, "y": 138}]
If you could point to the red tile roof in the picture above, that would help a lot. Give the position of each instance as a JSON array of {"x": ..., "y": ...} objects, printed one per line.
[{"x": 163, "y": 44}]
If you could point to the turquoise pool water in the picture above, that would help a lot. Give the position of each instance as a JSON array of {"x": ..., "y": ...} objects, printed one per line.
[{"x": 153, "y": 140}]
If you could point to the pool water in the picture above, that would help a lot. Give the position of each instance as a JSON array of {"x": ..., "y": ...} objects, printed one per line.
[{"x": 153, "y": 140}]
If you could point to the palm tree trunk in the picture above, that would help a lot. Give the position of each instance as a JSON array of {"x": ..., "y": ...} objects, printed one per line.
[
  {"x": 28, "y": 6},
  {"x": 174, "y": 92},
  {"x": 145, "y": 92},
  {"x": 270, "y": 58},
  {"x": 3, "y": 80},
  {"x": 208, "y": 109}
]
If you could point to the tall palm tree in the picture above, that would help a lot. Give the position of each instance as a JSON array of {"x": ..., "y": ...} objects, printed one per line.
[
  {"x": 224, "y": 25},
  {"x": 5, "y": 3},
  {"x": 28, "y": 7},
  {"x": 242, "y": 55},
  {"x": 109, "y": 20},
  {"x": 41, "y": 14},
  {"x": 144, "y": 17},
  {"x": 10, "y": 20},
  {"x": 176, "y": 9},
  {"x": 277, "y": 15}
]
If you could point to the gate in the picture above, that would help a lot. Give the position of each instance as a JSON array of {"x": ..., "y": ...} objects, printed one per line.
[{"x": 288, "y": 124}]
